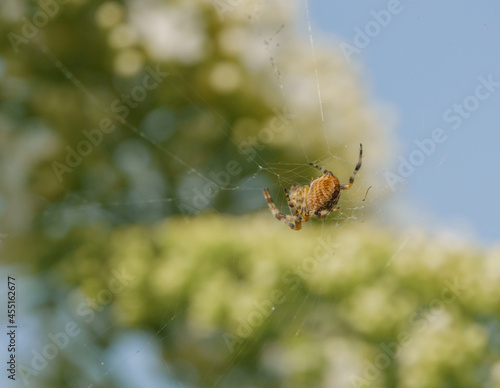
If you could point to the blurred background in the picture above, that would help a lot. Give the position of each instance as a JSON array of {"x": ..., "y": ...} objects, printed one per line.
[{"x": 136, "y": 140}]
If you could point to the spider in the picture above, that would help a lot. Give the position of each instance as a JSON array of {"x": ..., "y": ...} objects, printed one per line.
[{"x": 317, "y": 199}]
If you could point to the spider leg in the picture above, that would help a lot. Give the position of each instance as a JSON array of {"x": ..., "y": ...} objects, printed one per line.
[
  {"x": 304, "y": 214},
  {"x": 356, "y": 169},
  {"x": 324, "y": 170},
  {"x": 290, "y": 204},
  {"x": 293, "y": 222}
]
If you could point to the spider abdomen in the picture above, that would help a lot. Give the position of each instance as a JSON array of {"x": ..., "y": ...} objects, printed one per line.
[{"x": 324, "y": 193}]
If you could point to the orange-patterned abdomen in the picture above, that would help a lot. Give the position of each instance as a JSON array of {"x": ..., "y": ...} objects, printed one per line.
[{"x": 324, "y": 193}]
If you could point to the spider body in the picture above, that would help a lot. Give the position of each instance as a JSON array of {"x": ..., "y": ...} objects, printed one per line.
[
  {"x": 318, "y": 199},
  {"x": 324, "y": 193}
]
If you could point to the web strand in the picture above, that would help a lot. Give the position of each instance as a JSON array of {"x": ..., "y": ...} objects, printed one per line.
[
  {"x": 96, "y": 102},
  {"x": 287, "y": 174},
  {"x": 311, "y": 40},
  {"x": 277, "y": 73}
]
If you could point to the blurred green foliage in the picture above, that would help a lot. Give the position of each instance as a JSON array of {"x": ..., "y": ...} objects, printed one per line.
[
  {"x": 118, "y": 242},
  {"x": 217, "y": 103},
  {"x": 243, "y": 301}
]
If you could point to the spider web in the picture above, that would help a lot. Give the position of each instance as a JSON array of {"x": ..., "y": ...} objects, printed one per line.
[
  {"x": 120, "y": 361},
  {"x": 285, "y": 173}
]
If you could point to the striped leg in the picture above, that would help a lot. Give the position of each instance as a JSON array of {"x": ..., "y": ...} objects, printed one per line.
[
  {"x": 304, "y": 214},
  {"x": 356, "y": 169},
  {"x": 292, "y": 207},
  {"x": 292, "y": 221},
  {"x": 324, "y": 170}
]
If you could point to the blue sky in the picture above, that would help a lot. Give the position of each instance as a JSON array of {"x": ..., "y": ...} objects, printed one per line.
[{"x": 427, "y": 62}]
